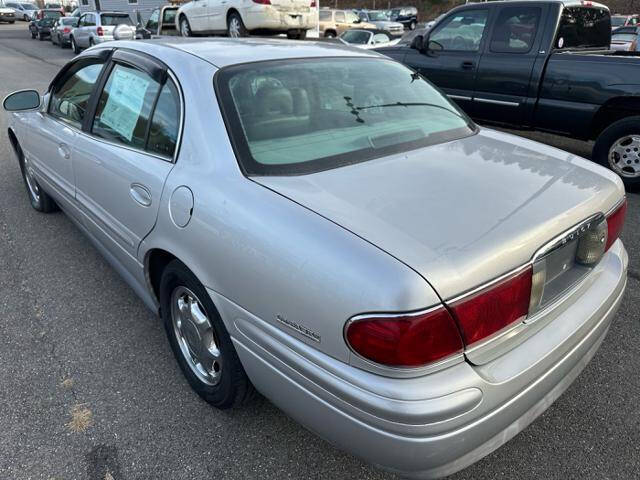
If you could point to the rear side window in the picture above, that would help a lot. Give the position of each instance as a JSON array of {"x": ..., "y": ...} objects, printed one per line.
[
  {"x": 113, "y": 20},
  {"x": 583, "y": 27},
  {"x": 70, "y": 96},
  {"x": 125, "y": 106},
  {"x": 163, "y": 133},
  {"x": 515, "y": 30},
  {"x": 340, "y": 17}
]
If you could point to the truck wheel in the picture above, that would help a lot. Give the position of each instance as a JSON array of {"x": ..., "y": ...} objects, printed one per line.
[
  {"x": 329, "y": 34},
  {"x": 199, "y": 340},
  {"x": 618, "y": 148},
  {"x": 235, "y": 26},
  {"x": 412, "y": 25},
  {"x": 297, "y": 34}
]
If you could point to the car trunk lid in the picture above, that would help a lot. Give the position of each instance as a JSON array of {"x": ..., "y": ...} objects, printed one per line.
[{"x": 460, "y": 213}]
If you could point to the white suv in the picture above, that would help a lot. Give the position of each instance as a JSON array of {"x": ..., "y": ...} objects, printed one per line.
[{"x": 238, "y": 18}]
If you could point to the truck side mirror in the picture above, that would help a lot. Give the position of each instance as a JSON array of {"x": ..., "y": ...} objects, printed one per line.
[{"x": 417, "y": 42}]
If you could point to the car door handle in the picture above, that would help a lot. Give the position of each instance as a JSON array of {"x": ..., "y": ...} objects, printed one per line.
[
  {"x": 63, "y": 150},
  {"x": 468, "y": 65},
  {"x": 140, "y": 194}
]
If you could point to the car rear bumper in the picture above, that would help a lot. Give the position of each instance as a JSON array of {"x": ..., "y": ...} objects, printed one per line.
[
  {"x": 437, "y": 424},
  {"x": 268, "y": 17}
]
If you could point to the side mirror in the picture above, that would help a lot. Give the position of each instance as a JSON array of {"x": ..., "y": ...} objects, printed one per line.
[
  {"x": 22, "y": 100},
  {"x": 417, "y": 42}
]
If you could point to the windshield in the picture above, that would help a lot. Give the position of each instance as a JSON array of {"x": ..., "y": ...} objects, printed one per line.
[
  {"x": 307, "y": 115},
  {"x": 351, "y": 17},
  {"x": 28, "y": 6},
  {"x": 113, "y": 19},
  {"x": 617, "y": 21},
  {"x": 357, "y": 37},
  {"x": 377, "y": 16},
  {"x": 51, "y": 14}
]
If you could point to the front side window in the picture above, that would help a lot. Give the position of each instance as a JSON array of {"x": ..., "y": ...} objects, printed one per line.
[
  {"x": 325, "y": 16},
  {"x": 70, "y": 96},
  {"x": 351, "y": 17},
  {"x": 515, "y": 30},
  {"x": 461, "y": 32},
  {"x": 308, "y": 115},
  {"x": 584, "y": 27},
  {"x": 152, "y": 23},
  {"x": 169, "y": 18},
  {"x": 124, "y": 108},
  {"x": 339, "y": 17}
]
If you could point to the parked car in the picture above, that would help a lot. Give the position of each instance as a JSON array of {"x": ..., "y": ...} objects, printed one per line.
[
  {"x": 40, "y": 25},
  {"x": 367, "y": 38},
  {"x": 23, "y": 11},
  {"x": 322, "y": 181},
  {"x": 334, "y": 22},
  {"x": 624, "y": 20},
  {"x": 407, "y": 16},
  {"x": 623, "y": 38},
  {"x": 61, "y": 31},
  {"x": 162, "y": 21},
  {"x": 99, "y": 27},
  {"x": 238, "y": 18},
  {"x": 55, "y": 6},
  {"x": 515, "y": 73},
  {"x": 7, "y": 14},
  {"x": 381, "y": 21}
]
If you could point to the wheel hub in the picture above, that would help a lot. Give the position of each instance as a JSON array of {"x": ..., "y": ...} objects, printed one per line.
[
  {"x": 195, "y": 335},
  {"x": 234, "y": 28},
  {"x": 624, "y": 156},
  {"x": 34, "y": 189}
]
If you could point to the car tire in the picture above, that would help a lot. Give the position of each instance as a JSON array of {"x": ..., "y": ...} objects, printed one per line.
[
  {"x": 624, "y": 137},
  {"x": 38, "y": 198},
  {"x": 91, "y": 42},
  {"x": 329, "y": 34},
  {"x": 25, "y": 18},
  {"x": 41, "y": 37},
  {"x": 33, "y": 36},
  {"x": 190, "y": 316},
  {"x": 412, "y": 25},
  {"x": 297, "y": 35},
  {"x": 185, "y": 27},
  {"x": 74, "y": 46},
  {"x": 235, "y": 26}
]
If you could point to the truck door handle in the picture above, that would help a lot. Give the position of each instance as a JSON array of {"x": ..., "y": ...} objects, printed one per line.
[
  {"x": 63, "y": 150},
  {"x": 140, "y": 194},
  {"x": 468, "y": 65}
]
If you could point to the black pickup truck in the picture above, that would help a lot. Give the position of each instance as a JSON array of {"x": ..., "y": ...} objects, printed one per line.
[{"x": 543, "y": 65}]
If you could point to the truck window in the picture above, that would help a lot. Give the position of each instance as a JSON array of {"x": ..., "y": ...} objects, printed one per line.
[
  {"x": 582, "y": 27},
  {"x": 515, "y": 30},
  {"x": 461, "y": 32}
]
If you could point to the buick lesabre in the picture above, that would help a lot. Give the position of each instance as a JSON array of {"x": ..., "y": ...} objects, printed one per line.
[{"x": 410, "y": 286}]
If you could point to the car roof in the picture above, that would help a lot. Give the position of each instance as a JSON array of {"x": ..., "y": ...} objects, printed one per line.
[{"x": 222, "y": 52}]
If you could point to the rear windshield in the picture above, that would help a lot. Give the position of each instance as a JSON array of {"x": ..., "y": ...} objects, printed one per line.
[
  {"x": 169, "y": 18},
  {"x": 301, "y": 116},
  {"x": 584, "y": 27},
  {"x": 623, "y": 37},
  {"x": 51, "y": 14},
  {"x": 109, "y": 19}
]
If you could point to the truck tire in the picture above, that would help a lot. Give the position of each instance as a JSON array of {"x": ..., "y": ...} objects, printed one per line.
[
  {"x": 329, "y": 34},
  {"x": 618, "y": 148},
  {"x": 412, "y": 25}
]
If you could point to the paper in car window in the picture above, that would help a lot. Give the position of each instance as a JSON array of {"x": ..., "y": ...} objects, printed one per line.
[{"x": 126, "y": 97}]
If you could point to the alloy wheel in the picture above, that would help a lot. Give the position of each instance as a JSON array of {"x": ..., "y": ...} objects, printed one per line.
[
  {"x": 234, "y": 27},
  {"x": 32, "y": 183},
  {"x": 195, "y": 335},
  {"x": 185, "y": 31},
  {"x": 624, "y": 156}
]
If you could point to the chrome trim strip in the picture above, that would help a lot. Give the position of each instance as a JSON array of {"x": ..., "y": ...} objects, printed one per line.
[
  {"x": 497, "y": 102},
  {"x": 557, "y": 240},
  {"x": 458, "y": 97},
  {"x": 616, "y": 206}
]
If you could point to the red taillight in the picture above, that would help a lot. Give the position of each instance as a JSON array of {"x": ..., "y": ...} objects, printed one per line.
[
  {"x": 615, "y": 222},
  {"x": 410, "y": 340},
  {"x": 262, "y": 2},
  {"x": 66, "y": 30},
  {"x": 100, "y": 31},
  {"x": 493, "y": 308}
]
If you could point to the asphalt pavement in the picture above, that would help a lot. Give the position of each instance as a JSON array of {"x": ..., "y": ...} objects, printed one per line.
[{"x": 89, "y": 388}]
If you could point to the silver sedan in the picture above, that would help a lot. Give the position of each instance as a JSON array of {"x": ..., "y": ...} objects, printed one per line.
[{"x": 409, "y": 286}]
